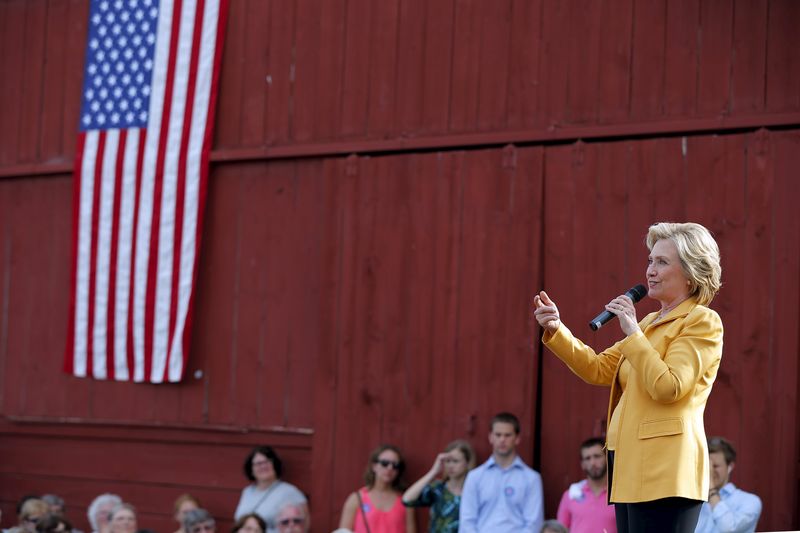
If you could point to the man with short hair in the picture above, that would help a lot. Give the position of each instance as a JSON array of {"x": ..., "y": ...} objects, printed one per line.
[
  {"x": 584, "y": 507},
  {"x": 292, "y": 518},
  {"x": 503, "y": 495},
  {"x": 729, "y": 509}
]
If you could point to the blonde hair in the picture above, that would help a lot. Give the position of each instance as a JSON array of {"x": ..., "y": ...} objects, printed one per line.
[
  {"x": 699, "y": 255},
  {"x": 465, "y": 449}
]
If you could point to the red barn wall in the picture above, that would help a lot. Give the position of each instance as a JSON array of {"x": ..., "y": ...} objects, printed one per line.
[{"x": 390, "y": 184}]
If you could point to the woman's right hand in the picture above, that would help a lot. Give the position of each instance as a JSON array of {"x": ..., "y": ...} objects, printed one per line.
[
  {"x": 438, "y": 464},
  {"x": 546, "y": 312}
]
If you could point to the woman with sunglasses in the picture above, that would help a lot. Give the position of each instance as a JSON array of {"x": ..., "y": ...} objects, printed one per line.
[
  {"x": 443, "y": 496},
  {"x": 377, "y": 507}
]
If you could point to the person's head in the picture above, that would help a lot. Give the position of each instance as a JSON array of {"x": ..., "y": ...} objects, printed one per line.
[
  {"x": 460, "y": 460},
  {"x": 554, "y": 526},
  {"x": 263, "y": 465},
  {"x": 684, "y": 261},
  {"x": 504, "y": 435},
  {"x": 123, "y": 519},
  {"x": 99, "y": 511},
  {"x": 199, "y": 521},
  {"x": 56, "y": 504},
  {"x": 593, "y": 458},
  {"x": 52, "y": 523},
  {"x": 31, "y": 512},
  {"x": 722, "y": 456},
  {"x": 250, "y": 523},
  {"x": 183, "y": 504},
  {"x": 292, "y": 518},
  {"x": 387, "y": 465}
]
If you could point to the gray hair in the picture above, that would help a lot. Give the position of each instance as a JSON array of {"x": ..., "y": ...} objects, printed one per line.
[
  {"x": 194, "y": 517},
  {"x": 52, "y": 499},
  {"x": 97, "y": 503}
]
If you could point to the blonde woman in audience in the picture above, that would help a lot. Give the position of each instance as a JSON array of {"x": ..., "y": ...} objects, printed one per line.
[
  {"x": 443, "y": 496},
  {"x": 183, "y": 504}
]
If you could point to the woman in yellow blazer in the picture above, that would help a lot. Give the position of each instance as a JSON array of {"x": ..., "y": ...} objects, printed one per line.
[{"x": 660, "y": 376}]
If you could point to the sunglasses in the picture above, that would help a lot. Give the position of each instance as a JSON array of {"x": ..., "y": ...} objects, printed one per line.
[
  {"x": 386, "y": 463},
  {"x": 296, "y": 521}
]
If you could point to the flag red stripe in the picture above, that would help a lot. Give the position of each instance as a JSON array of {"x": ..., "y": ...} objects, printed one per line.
[
  {"x": 157, "y": 190},
  {"x": 137, "y": 197},
  {"x": 112, "y": 259},
  {"x": 69, "y": 352},
  {"x": 180, "y": 193},
  {"x": 98, "y": 179},
  {"x": 204, "y": 164}
]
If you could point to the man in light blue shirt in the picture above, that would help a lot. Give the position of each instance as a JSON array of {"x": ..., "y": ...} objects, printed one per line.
[
  {"x": 503, "y": 495},
  {"x": 729, "y": 509}
]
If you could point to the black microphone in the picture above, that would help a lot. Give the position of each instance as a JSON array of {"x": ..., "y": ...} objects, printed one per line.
[{"x": 634, "y": 293}]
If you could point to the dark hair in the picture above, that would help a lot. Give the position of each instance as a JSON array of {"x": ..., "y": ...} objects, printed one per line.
[
  {"x": 50, "y": 523},
  {"x": 593, "y": 441},
  {"x": 369, "y": 475},
  {"x": 720, "y": 444},
  {"x": 506, "y": 418},
  {"x": 240, "y": 523},
  {"x": 267, "y": 452}
]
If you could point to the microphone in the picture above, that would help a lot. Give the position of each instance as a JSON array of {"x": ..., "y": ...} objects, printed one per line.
[{"x": 634, "y": 293}]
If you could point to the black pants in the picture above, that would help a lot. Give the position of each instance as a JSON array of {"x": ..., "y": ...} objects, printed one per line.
[{"x": 667, "y": 515}]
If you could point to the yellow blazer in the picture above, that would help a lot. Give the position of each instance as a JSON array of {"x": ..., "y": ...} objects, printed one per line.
[{"x": 661, "y": 448}]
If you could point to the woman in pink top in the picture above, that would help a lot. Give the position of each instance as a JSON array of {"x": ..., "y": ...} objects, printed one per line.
[{"x": 377, "y": 507}]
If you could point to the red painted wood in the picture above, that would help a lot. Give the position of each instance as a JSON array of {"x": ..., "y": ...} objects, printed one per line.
[
  {"x": 355, "y": 68},
  {"x": 257, "y": 77},
  {"x": 647, "y": 62},
  {"x": 493, "y": 63},
  {"x": 613, "y": 85},
  {"x": 748, "y": 56},
  {"x": 714, "y": 58},
  {"x": 524, "y": 59},
  {"x": 437, "y": 66},
  {"x": 783, "y": 57},
  {"x": 683, "y": 37}
]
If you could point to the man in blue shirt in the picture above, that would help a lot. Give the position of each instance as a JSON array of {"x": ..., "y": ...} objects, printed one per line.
[
  {"x": 729, "y": 509},
  {"x": 503, "y": 495}
]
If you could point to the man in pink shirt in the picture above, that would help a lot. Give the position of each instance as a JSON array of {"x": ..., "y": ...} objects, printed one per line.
[{"x": 584, "y": 506}]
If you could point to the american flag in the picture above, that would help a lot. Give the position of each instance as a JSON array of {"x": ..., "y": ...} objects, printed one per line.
[{"x": 146, "y": 119}]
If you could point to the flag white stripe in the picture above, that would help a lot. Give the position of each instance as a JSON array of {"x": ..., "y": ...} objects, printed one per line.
[
  {"x": 82, "y": 273},
  {"x": 193, "y": 169},
  {"x": 104, "y": 227},
  {"x": 145, "y": 221},
  {"x": 166, "y": 235},
  {"x": 127, "y": 202}
]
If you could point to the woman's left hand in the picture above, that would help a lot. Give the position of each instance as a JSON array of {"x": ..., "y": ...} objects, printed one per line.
[{"x": 622, "y": 306}]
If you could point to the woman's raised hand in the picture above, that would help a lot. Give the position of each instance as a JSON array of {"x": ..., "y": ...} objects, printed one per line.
[{"x": 546, "y": 312}]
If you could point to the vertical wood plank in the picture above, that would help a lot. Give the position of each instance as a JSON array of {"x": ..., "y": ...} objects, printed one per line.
[
  {"x": 383, "y": 51},
  {"x": 524, "y": 82},
  {"x": 647, "y": 69},
  {"x": 714, "y": 66},
  {"x": 683, "y": 33},
  {"x": 748, "y": 65},
  {"x": 783, "y": 56},
  {"x": 437, "y": 76}
]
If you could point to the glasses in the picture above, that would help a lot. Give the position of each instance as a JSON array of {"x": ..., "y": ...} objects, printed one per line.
[
  {"x": 296, "y": 521},
  {"x": 386, "y": 463},
  {"x": 262, "y": 463}
]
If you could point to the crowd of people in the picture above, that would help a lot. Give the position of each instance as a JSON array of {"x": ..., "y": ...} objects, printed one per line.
[{"x": 501, "y": 495}]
